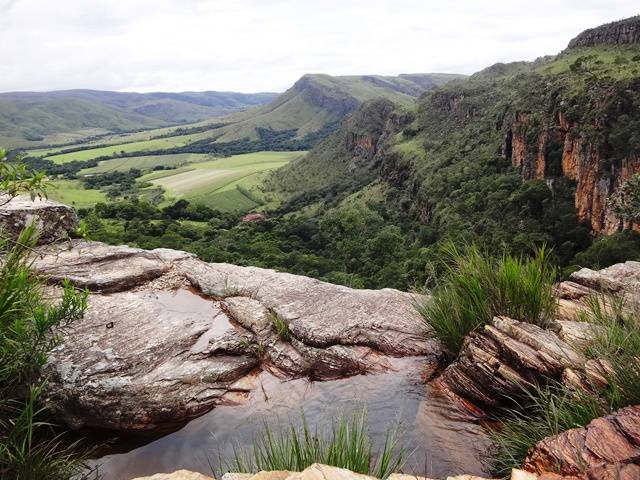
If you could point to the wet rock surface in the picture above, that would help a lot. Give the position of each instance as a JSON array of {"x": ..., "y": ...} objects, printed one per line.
[
  {"x": 167, "y": 337},
  {"x": 54, "y": 220}
]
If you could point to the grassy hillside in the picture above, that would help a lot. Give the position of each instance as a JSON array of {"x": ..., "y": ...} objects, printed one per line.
[
  {"x": 31, "y": 118},
  {"x": 484, "y": 159},
  {"x": 318, "y": 101}
]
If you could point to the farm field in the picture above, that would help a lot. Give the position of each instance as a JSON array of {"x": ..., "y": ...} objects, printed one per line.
[
  {"x": 224, "y": 183},
  {"x": 146, "y": 162},
  {"x": 227, "y": 184}
]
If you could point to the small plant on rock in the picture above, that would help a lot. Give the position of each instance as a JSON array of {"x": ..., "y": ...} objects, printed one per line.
[{"x": 280, "y": 326}]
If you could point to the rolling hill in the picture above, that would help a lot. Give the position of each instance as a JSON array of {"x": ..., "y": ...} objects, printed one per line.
[
  {"x": 295, "y": 120},
  {"x": 317, "y": 102},
  {"x": 515, "y": 155},
  {"x": 32, "y": 118}
]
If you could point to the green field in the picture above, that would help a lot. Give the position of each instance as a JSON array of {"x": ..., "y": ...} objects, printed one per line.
[
  {"x": 227, "y": 184},
  {"x": 147, "y": 162},
  {"x": 71, "y": 192},
  {"x": 221, "y": 183}
]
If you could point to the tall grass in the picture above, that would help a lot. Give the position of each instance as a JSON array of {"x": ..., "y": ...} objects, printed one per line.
[
  {"x": 475, "y": 287},
  {"x": 617, "y": 344},
  {"x": 543, "y": 411},
  {"x": 346, "y": 444}
]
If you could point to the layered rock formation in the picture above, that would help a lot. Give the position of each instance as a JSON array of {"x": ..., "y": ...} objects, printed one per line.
[
  {"x": 497, "y": 361},
  {"x": 166, "y": 337},
  {"x": 607, "y": 448}
]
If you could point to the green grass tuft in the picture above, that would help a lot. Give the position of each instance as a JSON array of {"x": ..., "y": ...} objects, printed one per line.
[
  {"x": 476, "y": 287},
  {"x": 280, "y": 326},
  {"x": 346, "y": 444},
  {"x": 545, "y": 411}
]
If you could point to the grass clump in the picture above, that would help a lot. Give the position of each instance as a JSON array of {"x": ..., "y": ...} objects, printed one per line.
[
  {"x": 543, "y": 411},
  {"x": 475, "y": 287},
  {"x": 617, "y": 345},
  {"x": 346, "y": 444},
  {"x": 280, "y": 326}
]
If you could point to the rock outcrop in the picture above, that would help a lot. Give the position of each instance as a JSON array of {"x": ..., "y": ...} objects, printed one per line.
[
  {"x": 167, "y": 337},
  {"x": 623, "y": 32},
  {"x": 607, "y": 448},
  {"x": 55, "y": 221},
  {"x": 498, "y": 360}
]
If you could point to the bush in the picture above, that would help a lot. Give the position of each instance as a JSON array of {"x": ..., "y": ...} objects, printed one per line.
[
  {"x": 346, "y": 445},
  {"x": 475, "y": 287}
]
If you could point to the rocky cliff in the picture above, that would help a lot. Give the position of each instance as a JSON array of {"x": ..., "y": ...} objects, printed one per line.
[
  {"x": 167, "y": 337},
  {"x": 561, "y": 149},
  {"x": 624, "y": 32}
]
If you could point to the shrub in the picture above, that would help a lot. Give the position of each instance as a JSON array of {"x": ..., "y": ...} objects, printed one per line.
[
  {"x": 346, "y": 445},
  {"x": 606, "y": 251},
  {"x": 475, "y": 287}
]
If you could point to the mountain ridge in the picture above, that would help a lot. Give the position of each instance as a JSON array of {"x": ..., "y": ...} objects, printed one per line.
[{"x": 31, "y": 117}]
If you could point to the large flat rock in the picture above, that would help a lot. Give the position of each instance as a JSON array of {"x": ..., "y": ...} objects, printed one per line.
[{"x": 167, "y": 337}]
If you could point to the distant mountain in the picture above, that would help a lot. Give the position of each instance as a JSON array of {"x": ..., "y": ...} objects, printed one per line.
[
  {"x": 318, "y": 102},
  {"x": 28, "y": 118}
]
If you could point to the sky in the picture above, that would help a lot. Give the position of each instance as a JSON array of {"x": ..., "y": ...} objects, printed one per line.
[{"x": 266, "y": 45}]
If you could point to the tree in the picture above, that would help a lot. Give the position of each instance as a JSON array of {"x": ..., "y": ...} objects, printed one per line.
[{"x": 626, "y": 202}]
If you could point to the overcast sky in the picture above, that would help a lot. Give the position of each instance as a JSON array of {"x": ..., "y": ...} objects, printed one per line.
[{"x": 265, "y": 45}]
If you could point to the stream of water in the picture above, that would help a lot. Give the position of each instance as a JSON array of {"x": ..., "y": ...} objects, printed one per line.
[{"x": 440, "y": 440}]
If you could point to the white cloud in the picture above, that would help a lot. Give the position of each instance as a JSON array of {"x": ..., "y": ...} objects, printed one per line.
[{"x": 265, "y": 45}]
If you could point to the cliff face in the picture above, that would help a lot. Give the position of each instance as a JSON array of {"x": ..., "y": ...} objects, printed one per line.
[
  {"x": 617, "y": 33},
  {"x": 561, "y": 149}
]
